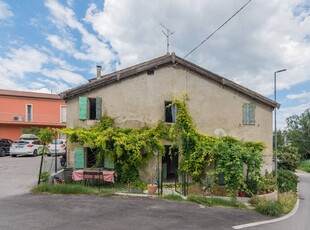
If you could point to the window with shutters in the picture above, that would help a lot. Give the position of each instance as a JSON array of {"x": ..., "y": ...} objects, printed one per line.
[
  {"x": 90, "y": 108},
  {"x": 170, "y": 112},
  {"x": 248, "y": 113},
  {"x": 92, "y": 159}
]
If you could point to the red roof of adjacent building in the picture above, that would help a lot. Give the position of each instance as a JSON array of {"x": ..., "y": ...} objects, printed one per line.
[{"x": 15, "y": 93}]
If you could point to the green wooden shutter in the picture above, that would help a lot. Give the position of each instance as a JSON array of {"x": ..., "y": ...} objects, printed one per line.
[
  {"x": 98, "y": 108},
  {"x": 249, "y": 114},
  {"x": 245, "y": 108},
  {"x": 79, "y": 157},
  {"x": 252, "y": 114},
  {"x": 108, "y": 162},
  {"x": 83, "y": 108}
]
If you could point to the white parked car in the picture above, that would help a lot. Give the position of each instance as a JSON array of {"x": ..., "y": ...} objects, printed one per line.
[
  {"x": 61, "y": 147},
  {"x": 25, "y": 147}
]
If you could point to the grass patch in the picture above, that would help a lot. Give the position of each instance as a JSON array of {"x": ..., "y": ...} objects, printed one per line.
[
  {"x": 173, "y": 197},
  {"x": 213, "y": 201},
  {"x": 304, "y": 166},
  {"x": 269, "y": 208},
  {"x": 206, "y": 201},
  {"x": 71, "y": 189},
  {"x": 284, "y": 205}
]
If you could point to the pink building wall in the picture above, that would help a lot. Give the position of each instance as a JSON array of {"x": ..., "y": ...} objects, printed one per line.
[{"x": 47, "y": 110}]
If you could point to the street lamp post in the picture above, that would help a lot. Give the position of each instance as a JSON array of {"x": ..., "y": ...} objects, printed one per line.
[{"x": 275, "y": 122}]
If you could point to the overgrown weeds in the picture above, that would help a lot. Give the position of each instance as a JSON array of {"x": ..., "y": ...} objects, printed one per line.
[
  {"x": 304, "y": 166},
  {"x": 284, "y": 205},
  {"x": 75, "y": 189}
]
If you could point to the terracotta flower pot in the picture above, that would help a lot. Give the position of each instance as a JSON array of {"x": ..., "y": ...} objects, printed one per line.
[
  {"x": 242, "y": 194},
  {"x": 151, "y": 188}
]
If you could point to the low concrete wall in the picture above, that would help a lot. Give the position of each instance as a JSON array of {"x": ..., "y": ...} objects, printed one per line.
[{"x": 269, "y": 196}]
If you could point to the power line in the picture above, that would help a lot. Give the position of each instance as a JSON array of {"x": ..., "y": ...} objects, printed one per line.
[{"x": 218, "y": 29}]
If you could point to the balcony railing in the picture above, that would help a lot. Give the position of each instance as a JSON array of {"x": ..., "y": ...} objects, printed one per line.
[{"x": 36, "y": 118}]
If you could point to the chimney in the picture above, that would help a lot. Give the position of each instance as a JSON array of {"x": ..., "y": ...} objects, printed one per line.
[{"x": 98, "y": 71}]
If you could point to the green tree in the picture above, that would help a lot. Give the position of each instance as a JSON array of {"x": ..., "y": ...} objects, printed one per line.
[
  {"x": 298, "y": 133},
  {"x": 33, "y": 130},
  {"x": 288, "y": 157},
  {"x": 45, "y": 136}
]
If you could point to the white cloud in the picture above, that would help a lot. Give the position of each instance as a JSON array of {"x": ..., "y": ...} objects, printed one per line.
[
  {"x": 64, "y": 75},
  {"x": 19, "y": 61},
  {"x": 262, "y": 38},
  {"x": 50, "y": 85},
  {"x": 19, "y": 64},
  {"x": 92, "y": 48},
  {"x": 303, "y": 95},
  {"x": 5, "y": 12},
  {"x": 60, "y": 44}
]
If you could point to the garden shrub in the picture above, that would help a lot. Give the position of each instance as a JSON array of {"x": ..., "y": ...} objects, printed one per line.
[
  {"x": 288, "y": 158},
  {"x": 138, "y": 184},
  {"x": 287, "y": 180}
]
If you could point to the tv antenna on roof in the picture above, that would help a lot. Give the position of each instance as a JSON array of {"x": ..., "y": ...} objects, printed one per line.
[{"x": 167, "y": 34}]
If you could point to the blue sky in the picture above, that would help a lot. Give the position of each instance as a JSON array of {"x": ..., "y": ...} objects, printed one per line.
[{"x": 54, "y": 45}]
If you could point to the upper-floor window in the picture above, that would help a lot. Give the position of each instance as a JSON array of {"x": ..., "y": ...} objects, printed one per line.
[
  {"x": 90, "y": 108},
  {"x": 170, "y": 112},
  {"x": 29, "y": 115},
  {"x": 248, "y": 114},
  {"x": 63, "y": 114}
]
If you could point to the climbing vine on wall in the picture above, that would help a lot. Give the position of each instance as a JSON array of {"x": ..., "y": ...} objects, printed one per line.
[{"x": 132, "y": 149}]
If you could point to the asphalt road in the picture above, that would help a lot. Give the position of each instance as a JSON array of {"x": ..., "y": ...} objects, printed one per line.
[
  {"x": 19, "y": 174},
  {"x": 48, "y": 212}
]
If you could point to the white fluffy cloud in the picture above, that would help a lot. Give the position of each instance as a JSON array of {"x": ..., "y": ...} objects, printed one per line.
[
  {"x": 92, "y": 48},
  {"x": 265, "y": 36},
  {"x": 19, "y": 61},
  {"x": 5, "y": 12}
]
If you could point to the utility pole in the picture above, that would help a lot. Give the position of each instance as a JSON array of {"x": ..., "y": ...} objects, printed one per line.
[{"x": 167, "y": 34}]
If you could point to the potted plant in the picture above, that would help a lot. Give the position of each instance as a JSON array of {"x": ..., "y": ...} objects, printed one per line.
[
  {"x": 152, "y": 187},
  {"x": 207, "y": 184}
]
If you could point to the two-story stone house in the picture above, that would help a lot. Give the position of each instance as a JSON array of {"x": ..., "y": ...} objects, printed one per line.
[{"x": 139, "y": 95}]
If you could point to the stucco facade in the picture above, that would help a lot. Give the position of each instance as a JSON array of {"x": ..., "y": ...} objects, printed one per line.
[
  {"x": 216, "y": 108},
  {"x": 23, "y": 110}
]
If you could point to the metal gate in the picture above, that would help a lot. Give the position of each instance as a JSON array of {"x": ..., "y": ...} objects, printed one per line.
[{"x": 183, "y": 189}]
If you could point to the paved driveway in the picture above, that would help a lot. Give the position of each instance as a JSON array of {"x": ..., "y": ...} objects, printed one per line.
[
  {"x": 19, "y": 174},
  {"x": 68, "y": 212}
]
